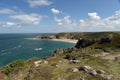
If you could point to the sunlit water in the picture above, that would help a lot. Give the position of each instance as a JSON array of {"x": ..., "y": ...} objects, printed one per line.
[{"x": 17, "y": 46}]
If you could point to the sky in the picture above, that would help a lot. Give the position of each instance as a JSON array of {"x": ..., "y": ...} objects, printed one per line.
[{"x": 53, "y": 16}]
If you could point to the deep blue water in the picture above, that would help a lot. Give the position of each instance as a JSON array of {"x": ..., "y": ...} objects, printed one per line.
[{"x": 16, "y": 46}]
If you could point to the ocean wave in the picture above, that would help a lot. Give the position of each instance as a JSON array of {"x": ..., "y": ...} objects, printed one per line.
[
  {"x": 16, "y": 47},
  {"x": 31, "y": 38},
  {"x": 5, "y": 53}
]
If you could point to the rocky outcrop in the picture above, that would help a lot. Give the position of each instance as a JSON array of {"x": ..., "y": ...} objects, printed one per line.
[
  {"x": 84, "y": 43},
  {"x": 46, "y": 37},
  {"x": 105, "y": 40}
]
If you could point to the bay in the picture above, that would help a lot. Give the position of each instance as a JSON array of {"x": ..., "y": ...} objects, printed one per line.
[{"x": 17, "y": 46}]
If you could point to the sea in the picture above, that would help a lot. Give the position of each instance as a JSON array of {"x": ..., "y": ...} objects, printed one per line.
[{"x": 22, "y": 46}]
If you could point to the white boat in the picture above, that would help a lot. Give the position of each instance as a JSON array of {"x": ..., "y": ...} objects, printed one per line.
[{"x": 38, "y": 49}]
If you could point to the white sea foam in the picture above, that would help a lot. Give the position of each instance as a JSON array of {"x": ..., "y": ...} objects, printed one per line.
[
  {"x": 16, "y": 47},
  {"x": 38, "y": 49},
  {"x": 5, "y": 53},
  {"x": 30, "y": 38}
]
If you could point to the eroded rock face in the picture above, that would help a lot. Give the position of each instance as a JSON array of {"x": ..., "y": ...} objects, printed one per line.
[
  {"x": 105, "y": 40},
  {"x": 46, "y": 37},
  {"x": 83, "y": 43}
]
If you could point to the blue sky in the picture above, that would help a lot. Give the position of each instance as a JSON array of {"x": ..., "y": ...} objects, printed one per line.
[{"x": 49, "y": 16}]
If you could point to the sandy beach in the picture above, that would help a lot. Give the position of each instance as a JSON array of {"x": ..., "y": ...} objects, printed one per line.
[
  {"x": 63, "y": 40},
  {"x": 66, "y": 40}
]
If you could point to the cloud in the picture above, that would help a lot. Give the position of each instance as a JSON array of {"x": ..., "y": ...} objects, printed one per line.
[
  {"x": 94, "y": 16},
  {"x": 7, "y": 11},
  {"x": 65, "y": 21},
  {"x": 93, "y": 23},
  {"x": 9, "y": 24},
  {"x": 19, "y": 18},
  {"x": 27, "y": 18},
  {"x": 37, "y": 3},
  {"x": 55, "y": 11}
]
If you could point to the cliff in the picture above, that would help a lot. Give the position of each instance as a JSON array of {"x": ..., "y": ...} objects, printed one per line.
[
  {"x": 96, "y": 56},
  {"x": 45, "y": 37}
]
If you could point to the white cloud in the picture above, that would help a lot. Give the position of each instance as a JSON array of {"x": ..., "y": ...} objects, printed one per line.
[
  {"x": 93, "y": 23},
  {"x": 36, "y": 3},
  {"x": 65, "y": 21},
  {"x": 27, "y": 18},
  {"x": 94, "y": 16},
  {"x": 55, "y": 11},
  {"x": 9, "y": 24},
  {"x": 6, "y": 11}
]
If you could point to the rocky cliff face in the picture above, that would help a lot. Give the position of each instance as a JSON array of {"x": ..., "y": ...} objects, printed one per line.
[
  {"x": 46, "y": 37},
  {"x": 99, "y": 42},
  {"x": 84, "y": 43}
]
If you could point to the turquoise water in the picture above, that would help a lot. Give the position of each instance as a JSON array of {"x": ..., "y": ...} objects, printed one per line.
[{"x": 16, "y": 46}]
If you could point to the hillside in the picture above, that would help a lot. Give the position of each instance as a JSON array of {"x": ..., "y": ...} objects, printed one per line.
[{"x": 96, "y": 56}]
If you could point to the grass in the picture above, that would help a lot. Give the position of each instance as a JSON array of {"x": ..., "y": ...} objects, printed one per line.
[{"x": 25, "y": 70}]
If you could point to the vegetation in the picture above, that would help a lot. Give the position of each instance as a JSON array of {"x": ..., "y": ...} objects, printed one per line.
[
  {"x": 100, "y": 60},
  {"x": 12, "y": 66}
]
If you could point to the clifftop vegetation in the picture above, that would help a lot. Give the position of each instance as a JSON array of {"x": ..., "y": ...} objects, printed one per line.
[{"x": 96, "y": 56}]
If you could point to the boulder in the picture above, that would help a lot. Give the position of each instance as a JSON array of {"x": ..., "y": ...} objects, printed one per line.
[
  {"x": 74, "y": 61},
  {"x": 105, "y": 76},
  {"x": 101, "y": 72},
  {"x": 60, "y": 61},
  {"x": 57, "y": 65},
  {"x": 75, "y": 69},
  {"x": 36, "y": 63},
  {"x": 88, "y": 67},
  {"x": 93, "y": 72},
  {"x": 45, "y": 62}
]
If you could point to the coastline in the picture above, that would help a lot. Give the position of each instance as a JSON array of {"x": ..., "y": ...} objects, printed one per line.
[
  {"x": 62, "y": 40},
  {"x": 66, "y": 40}
]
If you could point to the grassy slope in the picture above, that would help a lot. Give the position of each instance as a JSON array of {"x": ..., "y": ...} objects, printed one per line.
[{"x": 59, "y": 65}]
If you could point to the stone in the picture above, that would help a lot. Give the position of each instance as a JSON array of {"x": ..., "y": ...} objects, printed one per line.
[
  {"x": 36, "y": 63},
  {"x": 108, "y": 77},
  {"x": 75, "y": 69},
  {"x": 101, "y": 71},
  {"x": 74, "y": 61},
  {"x": 57, "y": 65},
  {"x": 82, "y": 69},
  {"x": 88, "y": 67},
  {"x": 60, "y": 61},
  {"x": 93, "y": 72},
  {"x": 45, "y": 62}
]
